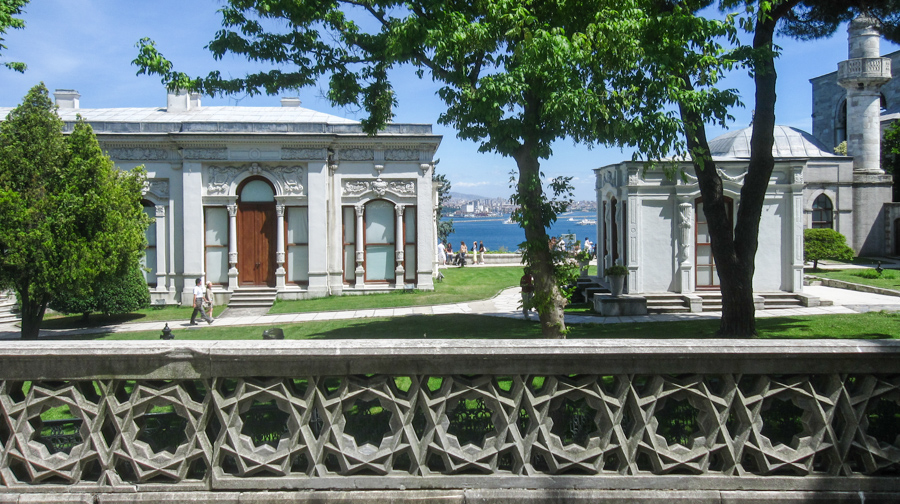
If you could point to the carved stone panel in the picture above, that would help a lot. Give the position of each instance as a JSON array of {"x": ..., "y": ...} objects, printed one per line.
[{"x": 379, "y": 187}]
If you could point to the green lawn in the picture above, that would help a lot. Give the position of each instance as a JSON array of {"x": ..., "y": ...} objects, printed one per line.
[
  {"x": 459, "y": 285},
  {"x": 60, "y": 321},
  {"x": 874, "y": 325},
  {"x": 889, "y": 279}
]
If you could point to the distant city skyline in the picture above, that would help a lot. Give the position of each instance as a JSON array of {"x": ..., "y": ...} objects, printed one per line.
[{"x": 88, "y": 45}]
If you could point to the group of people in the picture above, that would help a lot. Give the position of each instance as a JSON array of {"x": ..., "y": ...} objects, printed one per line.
[
  {"x": 203, "y": 302},
  {"x": 574, "y": 249},
  {"x": 448, "y": 258}
]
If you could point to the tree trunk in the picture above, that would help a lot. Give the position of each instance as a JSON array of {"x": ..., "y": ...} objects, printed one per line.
[
  {"x": 548, "y": 300},
  {"x": 32, "y": 316}
]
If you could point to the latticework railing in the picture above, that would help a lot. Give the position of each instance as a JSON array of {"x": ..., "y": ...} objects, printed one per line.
[{"x": 588, "y": 414}]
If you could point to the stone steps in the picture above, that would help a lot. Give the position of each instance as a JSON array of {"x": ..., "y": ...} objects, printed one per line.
[
  {"x": 667, "y": 303},
  {"x": 253, "y": 297},
  {"x": 8, "y": 309}
]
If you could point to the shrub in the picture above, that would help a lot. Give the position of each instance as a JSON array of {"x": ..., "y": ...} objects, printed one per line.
[
  {"x": 616, "y": 270},
  {"x": 821, "y": 244},
  {"x": 123, "y": 294},
  {"x": 873, "y": 273}
]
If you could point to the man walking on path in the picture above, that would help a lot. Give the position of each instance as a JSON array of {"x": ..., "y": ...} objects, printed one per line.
[{"x": 198, "y": 304}]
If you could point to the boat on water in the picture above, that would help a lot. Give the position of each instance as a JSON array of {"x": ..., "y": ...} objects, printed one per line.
[
  {"x": 508, "y": 221},
  {"x": 587, "y": 222}
]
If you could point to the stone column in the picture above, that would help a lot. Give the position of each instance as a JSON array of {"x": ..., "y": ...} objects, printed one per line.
[
  {"x": 796, "y": 229},
  {"x": 279, "y": 250},
  {"x": 360, "y": 246},
  {"x": 685, "y": 266},
  {"x": 399, "y": 242},
  {"x": 232, "y": 248},
  {"x": 161, "y": 248},
  {"x": 862, "y": 76}
]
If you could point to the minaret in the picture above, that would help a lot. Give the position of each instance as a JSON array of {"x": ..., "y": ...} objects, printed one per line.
[{"x": 862, "y": 76}]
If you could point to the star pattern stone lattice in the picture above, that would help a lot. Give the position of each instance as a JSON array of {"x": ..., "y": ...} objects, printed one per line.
[{"x": 115, "y": 433}]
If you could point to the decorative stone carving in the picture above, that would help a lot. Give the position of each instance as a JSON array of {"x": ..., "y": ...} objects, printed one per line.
[
  {"x": 686, "y": 222},
  {"x": 217, "y": 154},
  {"x": 232, "y": 210},
  {"x": 424, "y": 167},
  {"x": 220, "y": 179},
  {"x": 357, "y": 155},
  {"x": 279, "y": 210},
  {"x": 160, "y": 211},
  {"x": 634, "y": 179},
  {"x": 290, "y": 178},
  {"x": 291, "y": 153},
  {"x": 401, "y": 155},
  {"x": 158, "y": 188},
  {"x": 398, "y": 209},
  {"x": 254, "y": 153},
  {"x": 279, "y": 257},
  {"x": 254, "y": 169},
  {"x": 738, "y": 179},
  {"x": 378, "y": 169},
  {"x": 379, "y": 187},
  {"x": 609, "y": 177},
  {"x": 232, "y": 258},
  {"x": 360, "y": 211},
  {"x": 137, "y": 153}
]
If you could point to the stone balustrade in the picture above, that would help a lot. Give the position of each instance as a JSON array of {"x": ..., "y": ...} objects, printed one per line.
[
  {"x": 450, "y": 421},
  {"x": 865, "y": 70}
]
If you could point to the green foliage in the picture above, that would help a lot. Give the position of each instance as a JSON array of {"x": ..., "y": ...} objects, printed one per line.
[
  {"x": 112, "y": 295},
  {"x": 616, "y": 270},
  {"x": 8, "y": 10},
  {"x": 821, "y": 244},
  {"x": 444, "y": 227},
  {"x": 841, "y": 148},
  {"x": 67, "y": 216},
  {"x": 890, "y": 149},
  {"x": 872, "y": 273}
]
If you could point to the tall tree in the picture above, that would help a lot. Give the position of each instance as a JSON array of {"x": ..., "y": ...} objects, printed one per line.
[
  {"x": 734, "y": 244},
  {"x": 67, "y": 216},
  {"x": 515, "y": 76},
  {"x": 8, "y": 10}
]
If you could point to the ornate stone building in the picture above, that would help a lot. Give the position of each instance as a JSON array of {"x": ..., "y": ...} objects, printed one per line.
[
  {"x": 854, "y": 105},
  {"x": 656, "y": 227},
  {"x": 274, "y": 200}
]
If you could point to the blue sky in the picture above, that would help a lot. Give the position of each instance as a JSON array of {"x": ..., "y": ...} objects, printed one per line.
[{"x": 88, "y": 45}]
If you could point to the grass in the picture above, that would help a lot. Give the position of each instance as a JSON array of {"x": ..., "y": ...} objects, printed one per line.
[
  {"x": 459, "y": 285},
  {"x": 872, "y": 325},
  {"x": 60, "y": 321},
  {"x": 889, "y": 279}
]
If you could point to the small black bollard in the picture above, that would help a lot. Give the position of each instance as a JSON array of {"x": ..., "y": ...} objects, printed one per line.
[
  {"x": 166, "y": 333},
  {"x": 273, "y": 333}
]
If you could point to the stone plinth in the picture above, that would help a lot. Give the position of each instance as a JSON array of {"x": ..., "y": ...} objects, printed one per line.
[{"x": 609, "y": 306}]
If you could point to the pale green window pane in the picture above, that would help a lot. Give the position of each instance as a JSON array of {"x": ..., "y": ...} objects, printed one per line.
[
  {"x": 350, "y": 262},
  {"x": 298, "y": 263},
  {"x": 379, "y": 262},
  {"x": 151, "y": 229},
  {"x": 216, "y": 226},
  {"x": 217, "y": 265},
  {"x": 297, "y": 225},
  {"x": 379, "y": 222},
  {"x": 257, "y": 191},
  {"x": 704, "y": 254},
  {"x": 409, "y": 218},
  {"x": 702, "y": 233},
  {"x": 148, "y": 262},
  {"x": 703, "y": 275},
  {"x": 409, "y": 253},
  {"x": 349, "y": 225}
]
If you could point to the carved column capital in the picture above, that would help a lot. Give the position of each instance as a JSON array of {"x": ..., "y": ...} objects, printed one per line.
[
  {"x": 160, "y": 211},
  {"x": 399, "y": 210},
  {"x": 232, "y": 210},
  {"x": 279, "y": 210},
  {"x": 360, "y": 210}
]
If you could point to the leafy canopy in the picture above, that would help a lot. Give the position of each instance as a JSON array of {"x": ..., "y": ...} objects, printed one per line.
[
  {"x": 8, "y": 10},
  {"x": 819, "y": 244}
]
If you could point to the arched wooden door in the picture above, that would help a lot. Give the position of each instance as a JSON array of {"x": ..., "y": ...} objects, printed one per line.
[{"x": 256, "y": 234}]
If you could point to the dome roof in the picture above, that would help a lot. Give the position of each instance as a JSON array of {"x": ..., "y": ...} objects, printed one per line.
[{"x": 789, "y": 143}]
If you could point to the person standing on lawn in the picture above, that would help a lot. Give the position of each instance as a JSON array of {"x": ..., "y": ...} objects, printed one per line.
[
  {"x": 527, "y": 285},
  {"x": 198, "y": 304},
  {"x": 481, "y": 251}
]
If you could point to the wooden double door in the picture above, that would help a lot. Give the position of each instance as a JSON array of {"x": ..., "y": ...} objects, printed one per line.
[{"x": 256, "y": 240}]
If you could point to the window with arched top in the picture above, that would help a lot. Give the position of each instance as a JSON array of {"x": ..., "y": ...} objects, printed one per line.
[
  {"x": 840, "y": 124},
  {"x": 822, "y": 213}
]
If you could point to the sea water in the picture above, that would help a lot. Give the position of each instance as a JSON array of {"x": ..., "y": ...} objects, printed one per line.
[{"x": 499, "y": 236}]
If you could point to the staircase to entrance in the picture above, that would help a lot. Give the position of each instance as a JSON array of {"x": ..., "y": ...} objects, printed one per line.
[{"x": 253, "y": 297}]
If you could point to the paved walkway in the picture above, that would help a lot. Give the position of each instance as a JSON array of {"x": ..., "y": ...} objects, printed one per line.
[{"x": 505, "y": 304}]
